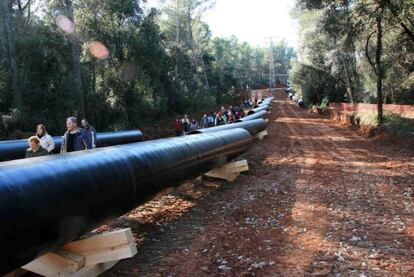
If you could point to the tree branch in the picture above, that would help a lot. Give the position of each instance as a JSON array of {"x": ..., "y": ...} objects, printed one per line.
[
  {"x": 367, "y": 52},
  {"x": 407, "y": 31}
]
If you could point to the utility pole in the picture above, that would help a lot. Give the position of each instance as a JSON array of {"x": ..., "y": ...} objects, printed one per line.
[
  {"x": 177, "y": 36},
  {"x": 271, "y": 64}
]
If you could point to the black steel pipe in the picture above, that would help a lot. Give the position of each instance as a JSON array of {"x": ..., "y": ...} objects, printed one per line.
[
  {"x": 267, "y": 100},
  {"x": 46, "y": 202},
  {"x": 252, "y": 126},
  {"x": 16, "y": 149},
  {"x": 261, "y": 103},
  {"x": 258, "y": 109},
  {"x": 260, "y": 114}
]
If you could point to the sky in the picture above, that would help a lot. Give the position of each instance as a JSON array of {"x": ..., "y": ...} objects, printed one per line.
[{"x": 252, "y": 20}]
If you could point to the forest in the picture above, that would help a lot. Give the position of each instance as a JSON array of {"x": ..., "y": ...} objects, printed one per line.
[
  {"x": 121, "y": 64},
  {"x": 355, "y": 51}
]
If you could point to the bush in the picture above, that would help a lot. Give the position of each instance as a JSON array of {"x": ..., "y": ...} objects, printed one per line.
[
  {"x": 396, "y": 124},
  {"x": 393, "y": 123}
]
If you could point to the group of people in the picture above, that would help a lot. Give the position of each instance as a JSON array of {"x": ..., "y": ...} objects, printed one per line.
[
  {"x": 74, "y": 139},
  {"x": 249, "y": 104},
  {"x": 183, "y": 125}
]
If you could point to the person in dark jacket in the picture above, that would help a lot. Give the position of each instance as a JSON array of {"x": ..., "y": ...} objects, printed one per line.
[
  {"x": 211, "y": 120},
  {"x": 35, "y": 150},
  {"x": 90, "y": 131},
  {"x": 75, "y": 139},
  {"x": 204, "y": 121}
]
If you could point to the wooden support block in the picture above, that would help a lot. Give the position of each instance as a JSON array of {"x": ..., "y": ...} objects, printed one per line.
[
  {"x": 93, "y": 270},
  {"x": 269, "y": 112},
  {"x": 17, "y": 273},
  {"x": 229, "y": 171},
  {"x": 105, "y": 247},
  {"x": 56, "y": 263},
  {"x": 267, "y": 120},
  {"x": 86, "y": 257},
  {"x": 261, "y": 135}
]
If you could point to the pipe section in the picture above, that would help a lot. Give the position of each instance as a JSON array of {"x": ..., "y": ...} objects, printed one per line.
[
  {"x": 46, "y": 202},
  {"x": 260, "y": 114},
  {"x": 16, "y": 149},
  {"x": 267, "y": 100},
  {"x": 252, "y": 126},
  {"x": 258, "y": 109}
]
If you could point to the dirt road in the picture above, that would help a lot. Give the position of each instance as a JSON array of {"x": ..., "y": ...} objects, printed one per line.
[{"x": 318, "y": 200}]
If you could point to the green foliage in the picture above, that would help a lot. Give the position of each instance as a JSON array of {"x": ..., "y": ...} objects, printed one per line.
[
  {"x": 396, "y": 124},
  {"x": 393, "y": 123},
  {"x": 151, "y": 70},
  {"x": 366, "y": 118},
  {"x": 324, "y": 104},
  {"x": 336, "y": 57}
]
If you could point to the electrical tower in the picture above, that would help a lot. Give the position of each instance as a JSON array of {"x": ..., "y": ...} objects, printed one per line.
[{"x": 272, "y": 81}]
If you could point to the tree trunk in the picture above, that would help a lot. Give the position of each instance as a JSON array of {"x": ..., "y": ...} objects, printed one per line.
[
  {"x": 78, "y": 87},
  {"x": 378, "y": 54},
  {"x": 9, "y": 34},
  {"x": 177, "y": 38},
  {"x": 93, "y": 77},
  {"x": 348, "y": 82},
  {"x": 3, "y": 48}
]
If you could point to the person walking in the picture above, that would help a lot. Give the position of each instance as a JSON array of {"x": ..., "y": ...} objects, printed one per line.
[
  {"x": 90, "y": 131},
  {"x": 211, "y": 120},
  {"x": 204, "y": 121},
  {"x": 35, "y": 150},
  {"x": 220, "y": 119},
  {"x": 186, "y": 125},
  {"x": 46, "y": 141},
  {"x": 75, "y": 139},
  {"x": 194, "y": 126},
  {"x": 230, "y": 117},
  {"x": 178, "y": 127}
]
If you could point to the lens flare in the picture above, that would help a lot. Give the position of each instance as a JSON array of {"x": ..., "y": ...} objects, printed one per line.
[
  {"x": 98, "y": 50},
  {"x": 65, "y": 24}
]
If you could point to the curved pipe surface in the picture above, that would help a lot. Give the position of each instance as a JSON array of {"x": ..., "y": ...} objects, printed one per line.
[
  {"x": 258, "y": 109},
  {"x": 252, "y": 126},
  {"x": 49, "y": 201},
  {"x": 267, "y": 100},
  {"x": 16, "y": 149},
  {"x": 261, "y": 103},
  {"x": 260, "y": 114}
]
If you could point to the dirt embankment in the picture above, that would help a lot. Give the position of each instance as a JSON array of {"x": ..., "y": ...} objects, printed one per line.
[{"x": 318, "y": 200}]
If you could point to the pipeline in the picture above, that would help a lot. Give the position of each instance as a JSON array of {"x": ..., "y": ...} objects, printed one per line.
[
  {"x": 254, "y": 127},
  {"x": 258, "y": 109},
  {"x": 16, "y": 149},
  {"x": 267, "y": 101},
  {"x": 49, "y": 201},
  {"x": 259, "y": 114}
]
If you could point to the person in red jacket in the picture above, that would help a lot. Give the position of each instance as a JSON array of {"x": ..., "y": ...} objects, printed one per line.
[{"x": 178, "y": 127}]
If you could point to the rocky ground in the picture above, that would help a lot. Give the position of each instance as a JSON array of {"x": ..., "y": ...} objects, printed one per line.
[{"x": 318, "y": 200}]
